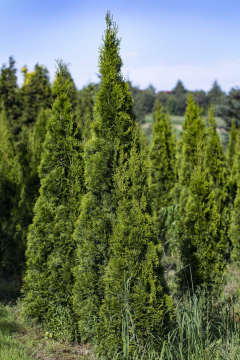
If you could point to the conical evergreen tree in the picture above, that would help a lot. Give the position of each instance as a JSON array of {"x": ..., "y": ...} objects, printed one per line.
[
  {"x": 203, "y": 245},
  {"x": 35, "y": 94},
  {"x": 135, "y": 255},
  {"x": 113, "y": 131},
  {"x": 232, "y": 144},
  {"x": 216, "y": 163},
  {"x": 233, "y": 162},
  {"x": 84, "y": 110},
  {"x": 163, "y": 172},
  {"x": 10, "y": 179},
  {"x": 9, "y": 95},
  {"x": 50, "y": 248},
  {"x": 193, "y": 131},
  {"x": 29, "y": 155},
  {"x": 234, "y": 231},
  {"x": 187, "y": 158}
]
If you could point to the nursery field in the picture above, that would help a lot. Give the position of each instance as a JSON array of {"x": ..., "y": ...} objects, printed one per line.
[
  {"x": 176, "y": 121},
  {"x": 119, "y": 250}
]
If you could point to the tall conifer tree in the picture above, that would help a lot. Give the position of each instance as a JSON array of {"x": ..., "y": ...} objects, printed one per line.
[
  {"x": 9, "y": 95},
  {"x": 35, "y": 94},
  {"x": 232, "y": 144},
  {"x": 215, "y": 161},
  {"x": 233, "y": 161},
  {"x": 135, "y": 256},
  {"x": 162, "y": 166},
  {"x": 112, "y": 128},
  {"x": 10, "y": 180},
  {"x": 29, "y": 154},
  {"x": 203, "y": 245},
  {"x": 51, "y": 249},
  {"x": 187, "y": 159},
  {"x": 234, "y": 231}
]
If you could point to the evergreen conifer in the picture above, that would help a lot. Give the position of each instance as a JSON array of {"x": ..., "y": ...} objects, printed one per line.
[
  {"x": 203, "y": 245},
  {"x": 234, "y": 231},
  {"x": 10, "y": 179},
  {"x": 135, "y": 257},
  {"x": 113, "y": 187},
  {"x": 187, "y": 159},
  {"x": 232, "y": 144},
  {"x": 35, "y": 94},
  {"x": 163, "y": 173},
  {"x": 233, "y": 157},
  {"x": 215, "y": 161},
  {"x": 50, "y": 251},
  {"x": 85, "y": 110},
  {"x": 9, "y": 95},
  {"x": 29, "y": 155}
]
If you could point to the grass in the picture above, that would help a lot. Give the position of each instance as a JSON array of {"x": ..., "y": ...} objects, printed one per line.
[
  {"x": 204, "y": 328},
  {"x": 27, "y": 341},
  {"x": 10, "y": 348}
]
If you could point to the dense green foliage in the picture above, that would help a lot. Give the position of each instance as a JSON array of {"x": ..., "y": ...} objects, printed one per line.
[
  {"x": 230, "y": 109},
  {"x": 50, "y": 252},
  {"x": 111, "y": 131},
  {"x": 162, "y": 168},
  {"x": 135, "y": 254},
  {"x": 186, "y": 160},
  {"x": 35, "y": 93},
  {"x": 116, "y": 220},
  {"x": 203, "y": 245},
  {"x": 215, "y": 161},
  {"x": 10, "y": 179},
  {"x": 86, "y": 206},
  {"x": 10, "y": 95}
]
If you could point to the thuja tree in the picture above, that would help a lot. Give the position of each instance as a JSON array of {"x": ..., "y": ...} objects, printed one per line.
[
  {"x": 232, "y": 144},
  {"x": 133, "y": 278},
  {"x": 203, "y": 244},
  {"x": 29, "y": 155},
  {"x": 50, "y": 251},
  {"x": 193, "y": 131},
  {"x": 233, "y": 161},
  {"x": 9, "y": 95},
  {"x": 215, "y": 161},
  {"x": 187, "y": 159},
  {"x": 84, "y": 110},
  {"x": 35, "y": 94},
  {"x": 234, "y": 231},
  {"x": 10, "y": 180},
  {"x": 112, "y": 133},
  {"x": 162, "y": 167}
]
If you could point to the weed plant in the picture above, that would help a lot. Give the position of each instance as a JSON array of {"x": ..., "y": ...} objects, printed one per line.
[
  {"x": 60, "y": 324},
  {"x": 204, "y": 328}
]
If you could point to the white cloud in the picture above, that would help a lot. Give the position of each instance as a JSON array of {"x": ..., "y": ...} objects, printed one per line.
[{"x": 164, "y": 77}]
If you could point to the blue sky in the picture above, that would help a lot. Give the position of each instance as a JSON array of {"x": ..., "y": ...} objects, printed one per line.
[{"x": 196, "y": 41}]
